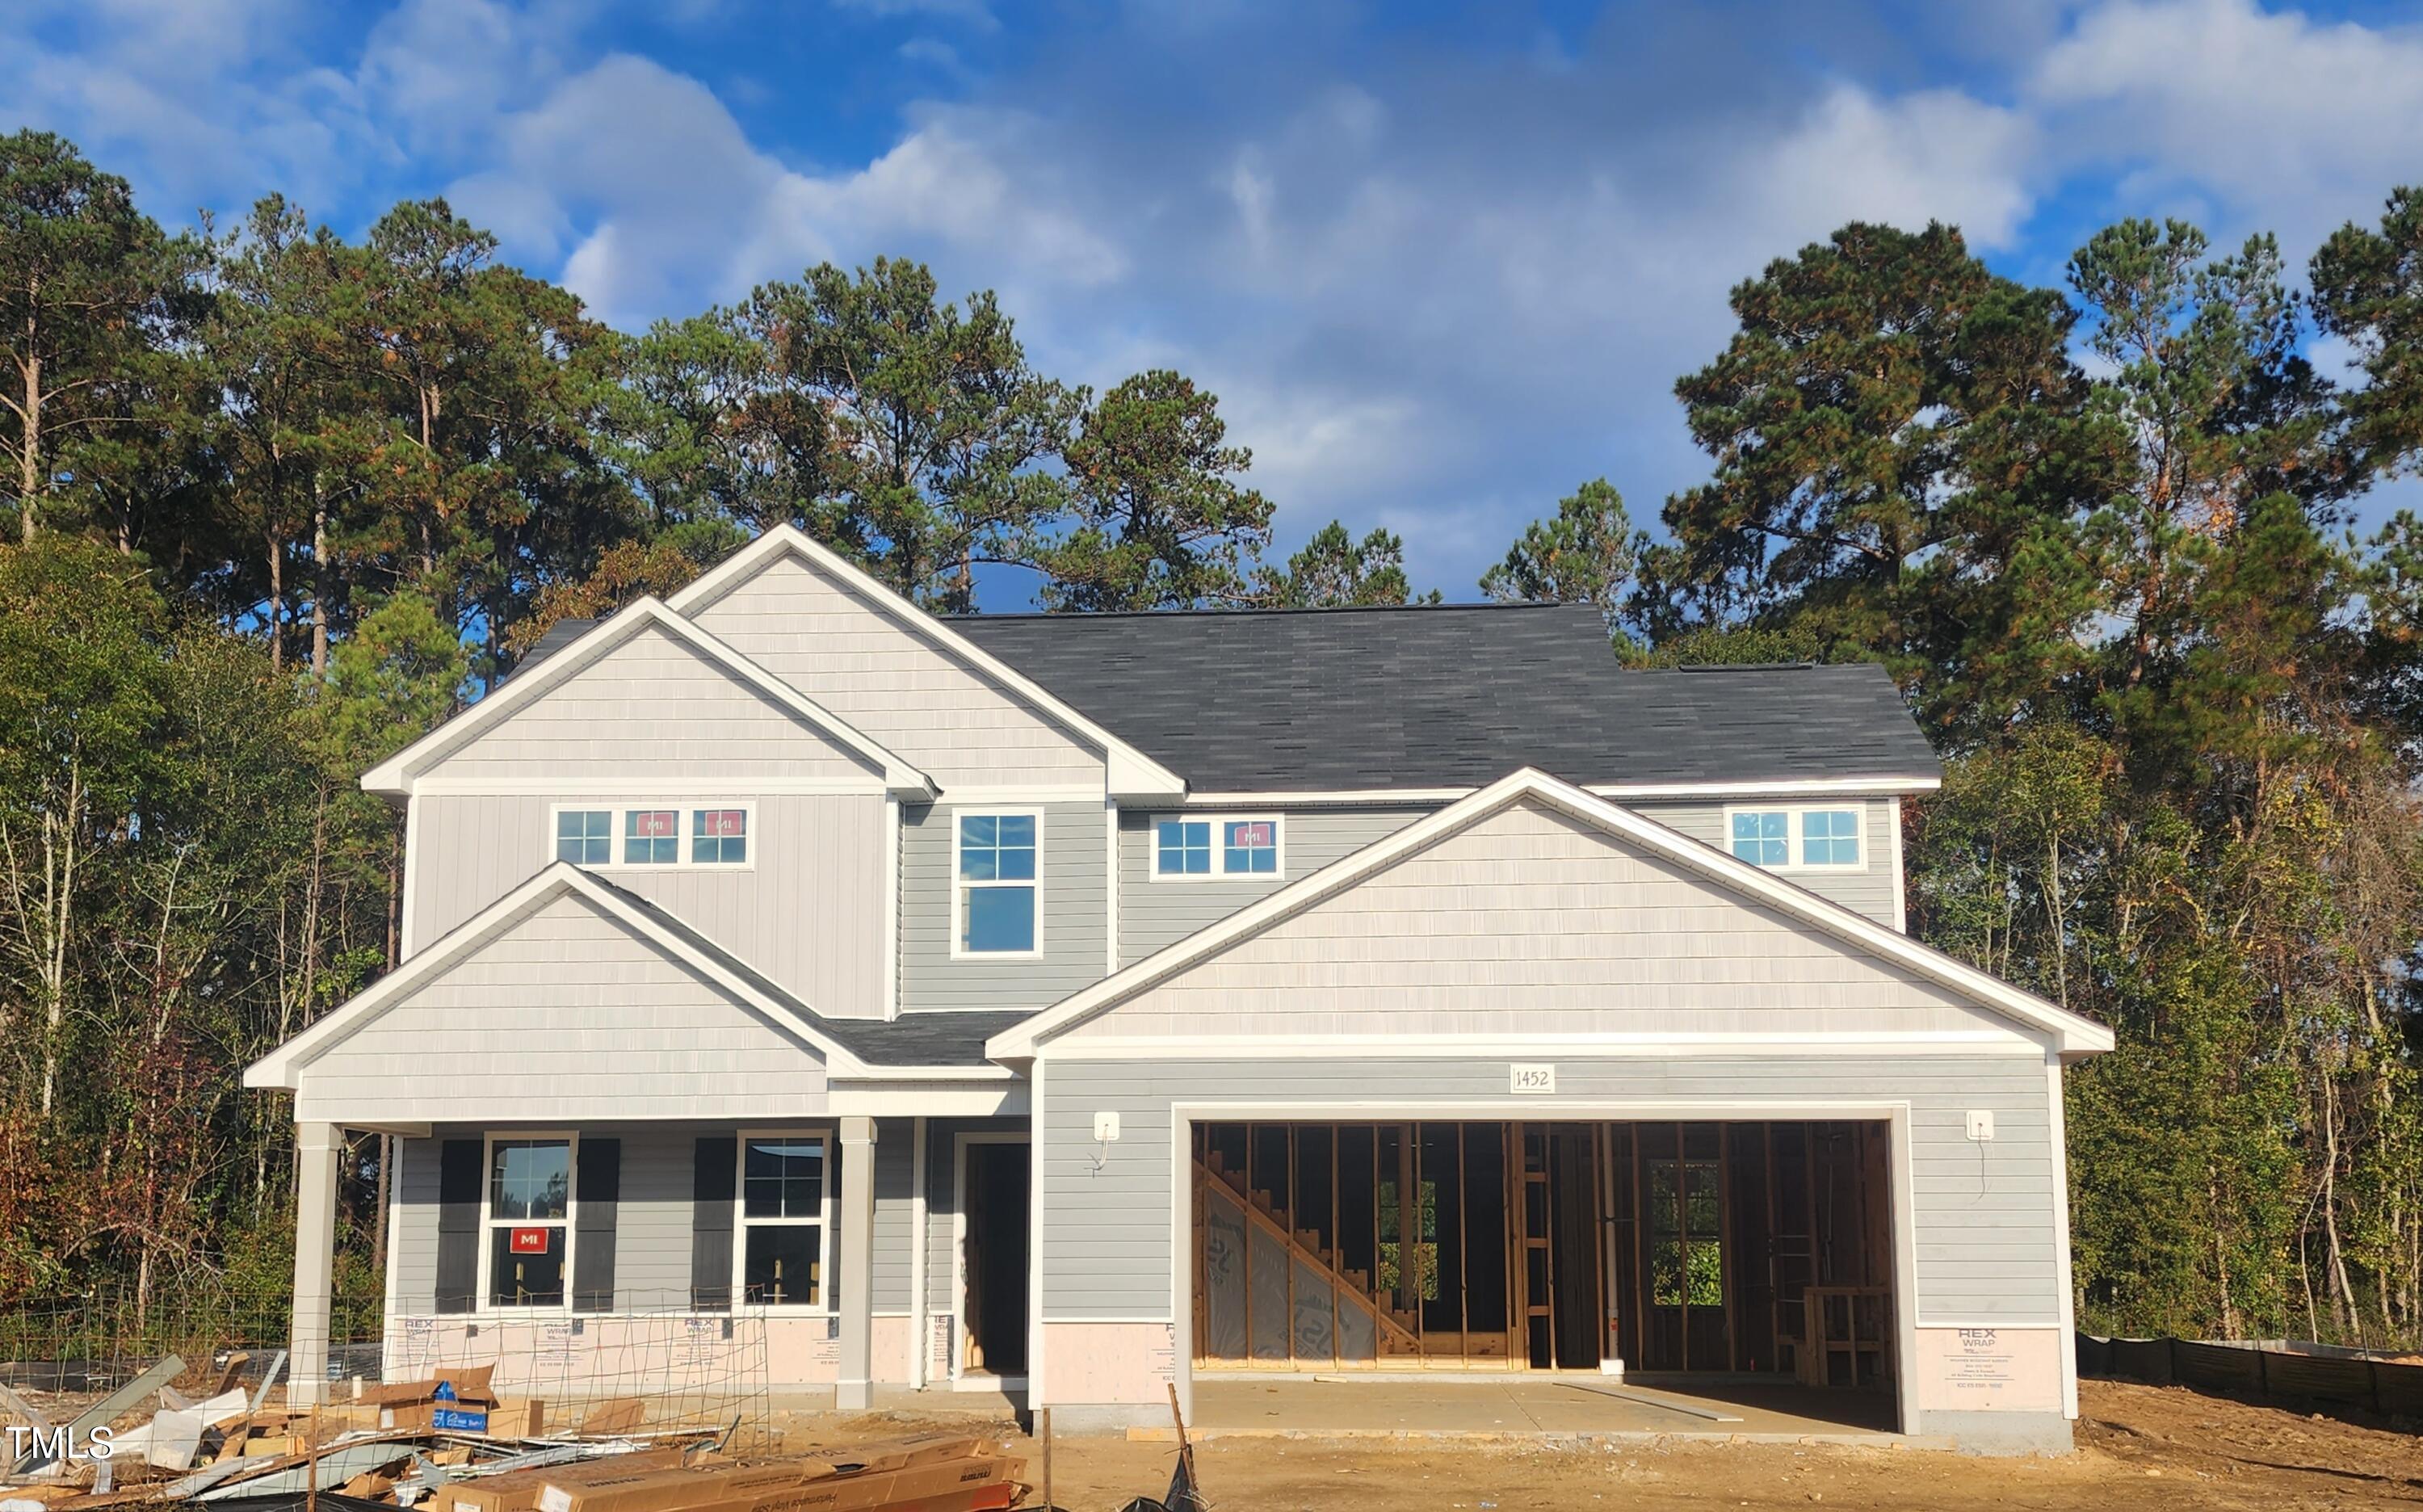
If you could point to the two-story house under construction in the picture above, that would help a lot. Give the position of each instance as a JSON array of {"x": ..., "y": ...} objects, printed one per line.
[{"x": 1076, "y": 1005}]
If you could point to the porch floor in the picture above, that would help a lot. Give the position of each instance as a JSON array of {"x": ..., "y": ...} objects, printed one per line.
[{"x": 1331, "y": 1406}]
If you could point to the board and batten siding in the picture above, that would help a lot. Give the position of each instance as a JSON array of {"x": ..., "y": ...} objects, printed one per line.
[
  {"x": 564, "y": 1015},
  {"x": 1074, "y": 912},
  {"x": 1867, "y": 888},
  {"x": 1530, "y": 922},
  {"x": 654, "y": 708},
  {"x": 895, "y": 686},
  {"x": 807, "y": 911},
  {"x": 1984, "y": 1236},
  {"x": 1155, "y": 914}
]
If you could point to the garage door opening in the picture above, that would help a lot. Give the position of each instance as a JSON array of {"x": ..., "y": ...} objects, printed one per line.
[{"x": 1757, "y": 1250}]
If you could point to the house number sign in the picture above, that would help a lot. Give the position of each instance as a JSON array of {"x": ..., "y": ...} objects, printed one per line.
[{"x": 1521, "y": 1078}]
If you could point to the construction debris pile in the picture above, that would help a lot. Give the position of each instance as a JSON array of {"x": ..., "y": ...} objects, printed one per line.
[{"x": 454, "y": 1445}]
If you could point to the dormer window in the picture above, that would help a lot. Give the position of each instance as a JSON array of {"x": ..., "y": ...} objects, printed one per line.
[
  {"x": 1797, "y": 839},
  {"x": 1211, "y": 848}
]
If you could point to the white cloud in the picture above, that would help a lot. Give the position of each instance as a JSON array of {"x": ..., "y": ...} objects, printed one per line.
[
  {"x": 2278, "y": 119},
  {"x": 1436, "y": 286}
]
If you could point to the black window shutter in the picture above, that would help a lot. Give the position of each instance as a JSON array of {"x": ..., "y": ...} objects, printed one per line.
[
  {"x": 597, "y": 1189},
  {"x": 710, "y": 1223},
  {"x": 458, "y": 1224}
]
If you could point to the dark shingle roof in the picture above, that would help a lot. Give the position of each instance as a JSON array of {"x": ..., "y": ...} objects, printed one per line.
[
  {"x": 552, "y": 640},
  {"x": 1446, "y": 697},
  {"x": 1435, "y": 696},
  {"x": 926, "y": 1038}
]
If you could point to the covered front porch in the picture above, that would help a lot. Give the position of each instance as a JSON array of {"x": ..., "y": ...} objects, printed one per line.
[
  {"x": 833, "y": 1258},
  {"x": 619, "y": 1157}
]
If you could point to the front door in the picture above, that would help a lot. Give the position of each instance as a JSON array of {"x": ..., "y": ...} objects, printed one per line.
[{"x": 993, "y": 1257}]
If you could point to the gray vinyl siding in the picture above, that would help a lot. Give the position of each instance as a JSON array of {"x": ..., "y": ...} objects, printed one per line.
[
  {"x": 1985, "y": 1235},
  {"x": 412, "y": 1248},
  {"x": 808, "y": 911},
  {"x": 1868, "y": 890},
  {"x": 651, "y": 1221},
  {"x": 1153, "y": 915},
  {"x": 1076, "y": 913},
  {"x": 896, "y": 1221}
]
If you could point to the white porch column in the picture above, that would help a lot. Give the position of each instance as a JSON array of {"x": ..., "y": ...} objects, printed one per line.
[
  {"x": 317, "y": 1147},
  {"x": 856, "y": 1241}
]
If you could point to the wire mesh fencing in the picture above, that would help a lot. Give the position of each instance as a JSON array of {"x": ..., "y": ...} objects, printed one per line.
[{"x": 640, "y": 1371}]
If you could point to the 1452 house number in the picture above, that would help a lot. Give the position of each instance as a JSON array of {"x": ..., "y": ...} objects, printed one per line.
[{"x": 1530, "y": 1078}]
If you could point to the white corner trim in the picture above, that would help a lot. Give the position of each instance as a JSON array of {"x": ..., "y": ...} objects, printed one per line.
[
  {"x": 2073, "y": 1034},
  {"x": 283, "y": 1066},
  {"x": 2058, "y": 1110},
  {"x": 394, "y": 776},
  {"x": 1131, "y": 772}
]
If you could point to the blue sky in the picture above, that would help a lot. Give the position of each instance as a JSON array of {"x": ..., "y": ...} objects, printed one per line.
[{"x": 1441, "y": 262}]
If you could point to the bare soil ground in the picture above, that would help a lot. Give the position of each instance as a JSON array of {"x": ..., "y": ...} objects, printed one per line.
[{"x": 2140, "y": 1449}]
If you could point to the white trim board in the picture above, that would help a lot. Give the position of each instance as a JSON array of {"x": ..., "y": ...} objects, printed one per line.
[
  {"x": 283, "y": 1066},
  {"x": 1131, "y": 774},
  {"x": 2072, "y": 1034},
  {"x": 395, "y": 775},
  {"x": 1781, "y": 788}
]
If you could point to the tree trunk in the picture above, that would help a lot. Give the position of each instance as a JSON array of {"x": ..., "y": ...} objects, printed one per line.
[
  {"x": 319, "y": 580},
  {"x": 29, "y": 450},
  {"x": 276, "y": 559}
]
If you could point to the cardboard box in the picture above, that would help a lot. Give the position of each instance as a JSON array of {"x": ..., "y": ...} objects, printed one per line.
[
  {"x": 932, "y": 1472},
  {"x": 517, "y": 1418},
  {"x": 517, "y": 1490}
]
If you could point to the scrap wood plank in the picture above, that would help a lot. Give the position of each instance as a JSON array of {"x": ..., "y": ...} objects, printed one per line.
[
  {"x": 9, "y": 1399},
  {"x": 268, "y": 1378},
  {"x": 285, "y": 1473},
  {"x": 163, "y": 1370}
]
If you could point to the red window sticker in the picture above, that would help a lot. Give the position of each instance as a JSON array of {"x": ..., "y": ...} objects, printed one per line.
[
  {"x": 659, "y": 825},
  {"x": 1257, "y": 835},
  {"x": 723, "y": 821},
  {"x": 529, "y": 1241}
]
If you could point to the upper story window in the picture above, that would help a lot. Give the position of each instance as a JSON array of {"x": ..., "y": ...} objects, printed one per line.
[
  {"x": 1249, "y": 846},
  {"x": 530, "y": 1227},
  {"x": 629, "y": 834},
  {"x": 995, "y": 859},
  {"x": 718, "y": 836},
  {"x": 1798, "y": 839},
  {"x": 584, "y": 836},
  {"x": 651, "y": 836}
]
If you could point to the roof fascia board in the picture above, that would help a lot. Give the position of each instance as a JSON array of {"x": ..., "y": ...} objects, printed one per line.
[
  {"x": 1778, "y": 787},
  {"x": 1131, "y": 774},
  {"x": 2073, "y": 1033},
  {"x": 281, "y": 1067},
  {"x": 394, "y": 776}
]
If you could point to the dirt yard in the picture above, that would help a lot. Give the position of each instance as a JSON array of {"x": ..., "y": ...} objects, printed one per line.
[{"x": 2140, "y": 1449}]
